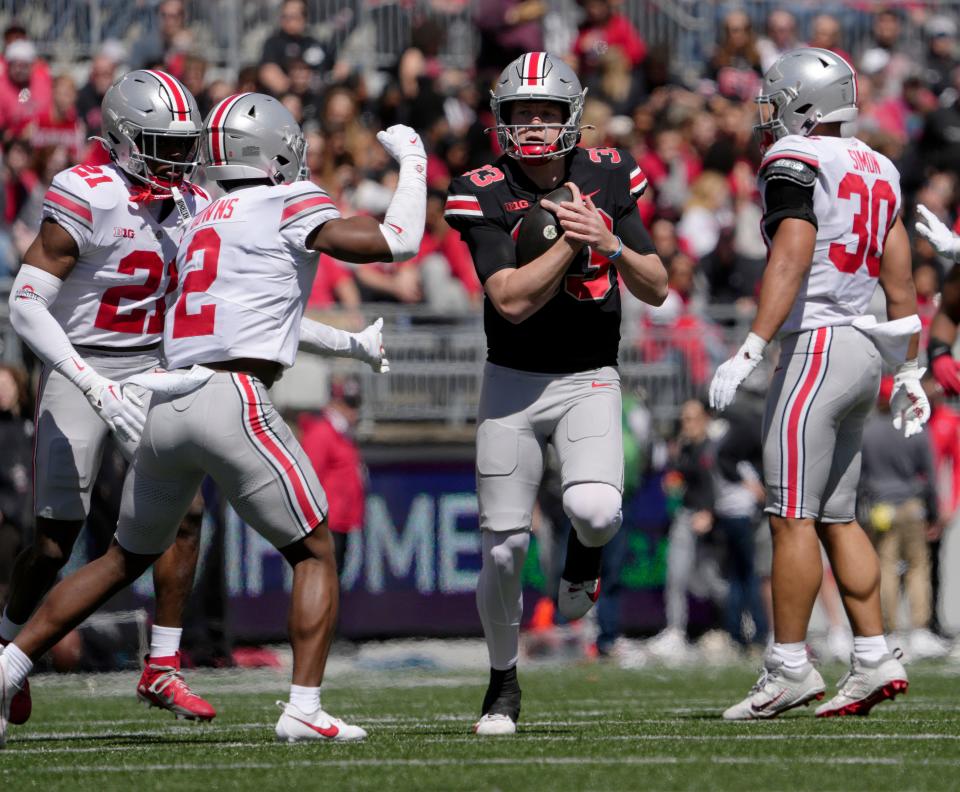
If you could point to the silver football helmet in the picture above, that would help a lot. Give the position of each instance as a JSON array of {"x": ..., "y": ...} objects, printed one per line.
[
  {"x": 252, "y": 136},
  {"x": 151, "y": 127},
  {"x": 537, "y": 75},
  {"x": 803, "y": 88}
]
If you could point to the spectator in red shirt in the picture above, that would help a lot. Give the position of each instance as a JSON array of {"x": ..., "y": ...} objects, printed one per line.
[
  {"x": 329, "y": 444},
  {"x": 25, "y": 88},
  {"x": 60, "y": 126},
  {"x": 603, "y": 29}
]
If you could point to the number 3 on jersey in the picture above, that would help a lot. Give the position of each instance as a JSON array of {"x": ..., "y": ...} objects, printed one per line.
[
  {"x": 186, "y": 324},
  {"x": 866, "y": 224}
]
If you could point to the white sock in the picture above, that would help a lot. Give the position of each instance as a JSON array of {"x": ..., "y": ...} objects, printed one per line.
[
  {"x": 870, "y": 649},
  {"x": 164, "y": 641},
  {"x": 8, "y": 630},
  {"x": 792, "y": 655},
  {"x": 500, "y": 595},
  {"x": 305, "y": 699},
  {"x": 16, "y": 664}
]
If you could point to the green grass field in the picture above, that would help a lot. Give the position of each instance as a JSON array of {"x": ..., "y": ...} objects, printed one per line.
[{"x": 583, "y": 728}]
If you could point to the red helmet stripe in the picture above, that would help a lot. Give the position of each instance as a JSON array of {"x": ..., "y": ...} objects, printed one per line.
[
  {"x": 218, "y": 143},
  {"x": 177, "y": 95},
  {"x": 533, "y": 67}
]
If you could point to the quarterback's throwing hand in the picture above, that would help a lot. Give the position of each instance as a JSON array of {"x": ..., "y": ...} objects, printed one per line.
[
  {"x": 401, "y": 141},
  {"x": 937, "y": 234},
  {"x": 909, "y": 404},
  {"x": 729, "y": 375}
]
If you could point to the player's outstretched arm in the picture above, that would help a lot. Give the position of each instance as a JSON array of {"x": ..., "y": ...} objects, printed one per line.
[
  {"x": 363, "y": 239},
  {"x": 49, "y": 260},
  {"x": 366, "y": 346}
]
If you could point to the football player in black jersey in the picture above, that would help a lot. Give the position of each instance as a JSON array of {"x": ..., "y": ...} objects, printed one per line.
[{"x": 553, "y": 332}]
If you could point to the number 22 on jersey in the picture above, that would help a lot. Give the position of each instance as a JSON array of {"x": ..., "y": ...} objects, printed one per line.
[{"x": 203, "y": 254}]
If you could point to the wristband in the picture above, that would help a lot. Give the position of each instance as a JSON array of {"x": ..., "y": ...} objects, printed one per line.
[
  {"x": 618, "y": 252},
  {"x": 936, "y": 348}
]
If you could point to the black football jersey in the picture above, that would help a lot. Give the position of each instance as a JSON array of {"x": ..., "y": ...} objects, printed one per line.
[{"x": 578, "y": 329}]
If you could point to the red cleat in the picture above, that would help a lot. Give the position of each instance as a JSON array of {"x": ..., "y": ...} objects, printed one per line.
[
  {"x": 162, "y": 685},
  {"x": 21, "y": 705}
]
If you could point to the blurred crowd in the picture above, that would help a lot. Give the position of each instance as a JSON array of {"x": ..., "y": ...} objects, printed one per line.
[{"x": 685, "y": 116}]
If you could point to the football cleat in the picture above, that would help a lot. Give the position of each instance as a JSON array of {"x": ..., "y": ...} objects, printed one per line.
[
  {"x": 501, "y": 705},
  {"x": 778, "y": 690},
  {"x": 162, "y": 685},
  {"x": 574, "y": 600},
  {"x": 21, "y": 705},
  {"x": 495, "y": 724},
  {"x": 866, "y": 685},
  {"x": 297, "y": 726}
]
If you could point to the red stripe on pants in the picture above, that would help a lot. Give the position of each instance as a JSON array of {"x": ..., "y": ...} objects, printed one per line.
[
  {"x": 794, "y": 505},
  {"x": 256, "y": 422}
]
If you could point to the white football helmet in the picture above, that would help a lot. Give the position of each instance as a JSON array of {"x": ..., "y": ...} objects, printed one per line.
[
  {"x": 151, "y": 127},
  {"x": 252, "y": 136},
  {"x": 803, "y": 88},
  {"x": 538, "y": 75}
]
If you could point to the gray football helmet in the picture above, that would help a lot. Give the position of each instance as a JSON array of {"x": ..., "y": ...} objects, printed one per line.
[
  {"x": 803, "y": 88},
  {"x": 151, "y": 127},
  {"x": 252, "y": 136},
  {"x": 537, "y": 75}
]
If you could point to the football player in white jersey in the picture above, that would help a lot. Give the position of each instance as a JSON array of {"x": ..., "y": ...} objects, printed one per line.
[
  {"x": 245, "y": 266},
  {"x": 831, "y": 218},
  {"x": 89, "y": 300}
]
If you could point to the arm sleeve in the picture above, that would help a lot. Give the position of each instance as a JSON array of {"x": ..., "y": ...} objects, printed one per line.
[
  {"x": 305, "y": 208},
  {"x": 784, "y": 199}
]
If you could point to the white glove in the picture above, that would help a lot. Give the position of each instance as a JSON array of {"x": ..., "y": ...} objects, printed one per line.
[
  {"x": 367, "y": 346},
  {"x": 909, "y": 404},
  {"x": 119, "y": 407},
  {"x": 944, "y": 241},
  {"x": 172, "y": 383},
  {"x": 402, "y": 141},
  {"x": 729, "y": 375}
]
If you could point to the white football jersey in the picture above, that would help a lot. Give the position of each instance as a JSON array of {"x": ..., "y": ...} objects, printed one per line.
[
  {"x": 245, "y": 274},
  {"x": 114, "y": 296},
  {"x": 856, "y": 199}
]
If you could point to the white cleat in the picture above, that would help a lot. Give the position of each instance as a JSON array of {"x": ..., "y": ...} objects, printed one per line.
[
  {"x": 865, "y": 685},
  {"x": 495, "y": 725},
  {"x": 296, "y": 726},
  {"x": 670, "y": 646},
  {"x": 574, "y": 600},
  {"x": 778, "y": 690}
]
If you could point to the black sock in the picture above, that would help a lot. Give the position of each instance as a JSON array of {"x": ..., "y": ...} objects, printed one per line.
[
  {"x": 503, "y": 690},
  {"x": 582, "y": 562}
]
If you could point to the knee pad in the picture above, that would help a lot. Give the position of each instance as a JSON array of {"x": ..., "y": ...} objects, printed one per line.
[
  {"x": 595, "y": 509},
  {"x": 506, "y": 551}
]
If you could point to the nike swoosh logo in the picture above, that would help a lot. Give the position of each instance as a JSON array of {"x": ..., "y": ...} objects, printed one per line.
[
  {"x": 601, "y": 384},
  {"x": 413, "y": 140},
  {"x": 770, "y": 703},
  {"x": 590, "y": 195},
  {"x": 331, "y": 731},
  {"x": 395, "y": 227}
]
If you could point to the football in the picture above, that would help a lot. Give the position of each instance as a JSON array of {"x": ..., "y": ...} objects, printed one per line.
[{"x": 540, "y": 228}]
